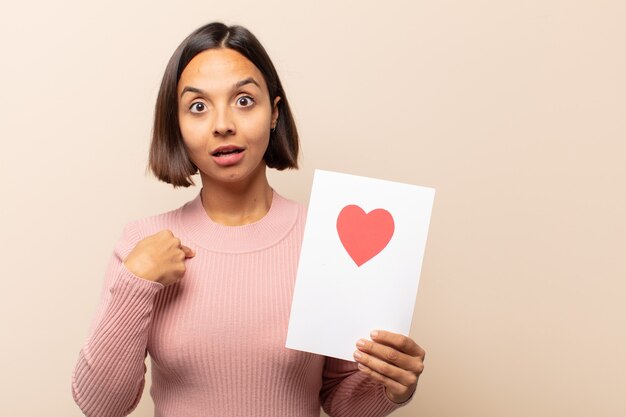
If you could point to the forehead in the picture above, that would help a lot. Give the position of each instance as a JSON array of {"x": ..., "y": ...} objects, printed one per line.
[{"x": 218, "y": 69}]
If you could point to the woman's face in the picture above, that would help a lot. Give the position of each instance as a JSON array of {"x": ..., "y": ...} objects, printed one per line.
[{"x": 225, "y": 116}]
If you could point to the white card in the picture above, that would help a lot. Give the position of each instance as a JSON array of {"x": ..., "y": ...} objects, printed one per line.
[{"x": 360, "y": 262}]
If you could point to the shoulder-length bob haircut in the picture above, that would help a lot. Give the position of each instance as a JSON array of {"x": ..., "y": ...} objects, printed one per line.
[{"x": 168, "y": 158}]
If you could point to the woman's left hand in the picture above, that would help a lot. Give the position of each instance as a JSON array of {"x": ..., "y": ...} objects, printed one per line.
[{"x": 394, "y": 360}]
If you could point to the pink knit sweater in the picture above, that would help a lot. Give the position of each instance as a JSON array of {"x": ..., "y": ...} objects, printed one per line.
[{"x": 217, "y": 338}]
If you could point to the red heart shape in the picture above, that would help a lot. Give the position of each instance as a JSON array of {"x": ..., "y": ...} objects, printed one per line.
[{"x": 364, "y": 235}]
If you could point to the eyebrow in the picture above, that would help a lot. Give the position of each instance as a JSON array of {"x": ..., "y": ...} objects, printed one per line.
[{"x": 238, "y": 84}]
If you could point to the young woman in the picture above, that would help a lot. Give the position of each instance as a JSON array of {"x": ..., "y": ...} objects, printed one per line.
[{"x": 206, "y": 289}]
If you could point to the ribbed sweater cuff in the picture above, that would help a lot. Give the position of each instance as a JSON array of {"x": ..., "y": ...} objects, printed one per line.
[
  {"x": 109, "y": 376},
  {"x": 393, "y": 405},
  {"x": 382, "y": 403},
  {"x": 136, "y": 287},
  {"x": 128, "y": 311}
]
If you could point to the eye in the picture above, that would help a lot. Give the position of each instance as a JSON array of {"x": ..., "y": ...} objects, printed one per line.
[
  {"x": 245, "y": 101},
  {"x": 197, "y": 107}
]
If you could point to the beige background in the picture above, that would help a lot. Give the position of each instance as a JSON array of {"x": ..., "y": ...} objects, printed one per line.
[{"x": 513, "y": 110}]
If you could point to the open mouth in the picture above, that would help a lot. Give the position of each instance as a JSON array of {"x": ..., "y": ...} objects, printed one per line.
[{"x": 222, "y": 152}]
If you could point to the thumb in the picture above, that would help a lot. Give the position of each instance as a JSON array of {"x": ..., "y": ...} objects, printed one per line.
[{"x": 189, "y": 253}]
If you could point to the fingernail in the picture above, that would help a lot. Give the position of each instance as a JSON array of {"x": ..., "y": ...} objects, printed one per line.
[
  {"x": 358, "y": 355},
  {"x": 374, "y": 333},
  {"x": 360, "y": 343}
]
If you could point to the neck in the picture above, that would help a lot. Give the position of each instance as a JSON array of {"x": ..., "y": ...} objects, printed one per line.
[{"x": 236, "y": 204}]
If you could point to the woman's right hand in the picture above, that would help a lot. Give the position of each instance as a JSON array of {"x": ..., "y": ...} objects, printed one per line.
[{"x": 159, "y": 257}]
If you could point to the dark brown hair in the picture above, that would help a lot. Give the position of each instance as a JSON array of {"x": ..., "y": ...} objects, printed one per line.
[{"x": 168, "y": 158}]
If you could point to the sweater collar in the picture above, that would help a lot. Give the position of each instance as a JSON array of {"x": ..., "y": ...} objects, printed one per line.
[{"x": 265, "y": 232}]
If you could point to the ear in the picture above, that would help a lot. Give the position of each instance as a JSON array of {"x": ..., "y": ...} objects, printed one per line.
[{"x": 275, "y": 111}]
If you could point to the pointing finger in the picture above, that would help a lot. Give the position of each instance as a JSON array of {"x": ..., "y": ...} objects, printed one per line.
[{"x": 189, "y": 253}]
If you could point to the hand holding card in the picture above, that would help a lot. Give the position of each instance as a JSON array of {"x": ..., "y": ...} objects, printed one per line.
[
  {"x": 392, "y": 359},
  {"x": 360, "y": 262}
]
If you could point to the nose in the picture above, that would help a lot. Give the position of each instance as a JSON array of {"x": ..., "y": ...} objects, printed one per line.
[{"x": 224, "y": 123}]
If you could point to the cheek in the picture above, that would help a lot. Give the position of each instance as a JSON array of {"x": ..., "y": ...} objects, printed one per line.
[
  {"x": 193, "y": 136},
  {"x": 255, "y": 128}
]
